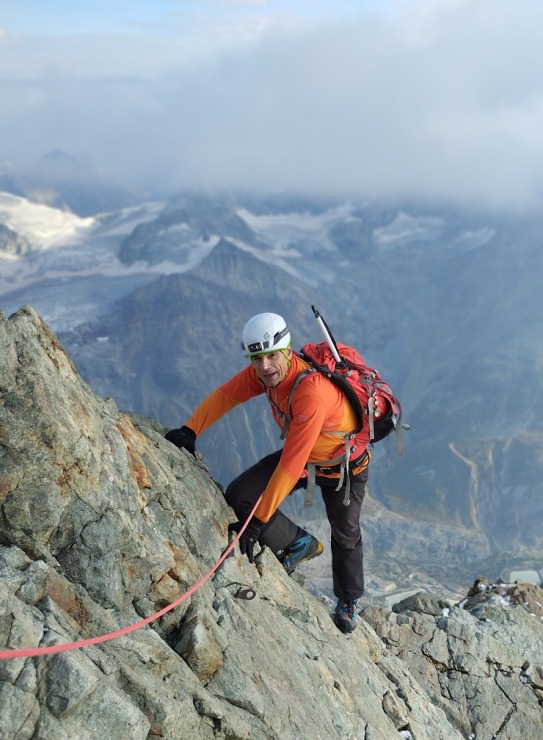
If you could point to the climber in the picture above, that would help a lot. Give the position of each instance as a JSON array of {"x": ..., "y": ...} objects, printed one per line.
[{"x": 319, "y": 412}]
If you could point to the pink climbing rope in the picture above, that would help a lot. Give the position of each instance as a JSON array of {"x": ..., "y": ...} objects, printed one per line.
[{"x": 63, "y": 647}]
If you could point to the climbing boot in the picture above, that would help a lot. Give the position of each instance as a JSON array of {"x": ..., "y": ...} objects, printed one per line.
[
  {"x": 305, "y": 547},
  {"x": 345, "y": 615}
]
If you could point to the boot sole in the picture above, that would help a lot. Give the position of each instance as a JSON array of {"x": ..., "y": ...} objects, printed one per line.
[{"x": 345, "y": 628}]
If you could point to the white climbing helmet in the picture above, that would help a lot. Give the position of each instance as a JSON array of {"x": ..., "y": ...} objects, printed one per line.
[{"x": 265, "y": 332}]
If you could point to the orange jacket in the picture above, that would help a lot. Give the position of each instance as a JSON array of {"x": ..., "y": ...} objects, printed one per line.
[{"x": 317, "y": 406}]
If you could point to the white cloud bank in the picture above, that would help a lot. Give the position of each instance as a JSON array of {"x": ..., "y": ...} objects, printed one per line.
[{"x": 443, "y": 100}]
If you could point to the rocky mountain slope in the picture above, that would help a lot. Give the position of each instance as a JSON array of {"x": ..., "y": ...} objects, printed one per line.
[{"x": 103, "y": 524}]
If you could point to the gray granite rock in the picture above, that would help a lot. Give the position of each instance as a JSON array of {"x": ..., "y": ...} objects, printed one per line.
[{"x": 103, "y": 523}]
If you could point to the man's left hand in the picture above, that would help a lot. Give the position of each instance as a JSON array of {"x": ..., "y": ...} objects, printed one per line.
[{"x": 250, "y": 536}]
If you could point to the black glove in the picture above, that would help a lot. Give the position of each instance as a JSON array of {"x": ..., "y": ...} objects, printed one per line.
[
  {"x": 249, "y": 537},
  {"x": 183, "y": 438}
]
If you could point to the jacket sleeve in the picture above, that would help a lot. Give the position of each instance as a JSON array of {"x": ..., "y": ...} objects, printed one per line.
[
  {"x": 240, "y": 388},
  {"x": 309, "y": 411}
]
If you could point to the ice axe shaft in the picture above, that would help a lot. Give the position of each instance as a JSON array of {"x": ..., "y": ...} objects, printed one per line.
[{"x": 328, "y": 337}]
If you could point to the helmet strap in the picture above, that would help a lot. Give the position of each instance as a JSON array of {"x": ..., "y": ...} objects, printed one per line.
[{"x": 287, "y": 358}]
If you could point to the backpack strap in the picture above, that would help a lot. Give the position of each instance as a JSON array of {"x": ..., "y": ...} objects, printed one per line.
[
  {"x": 311, "y": 481},
  {"x": 370, "y": 418},
  {"x": 343, "y": 384},
  {"x": 287, "y": 418},
  {"x": 342, "y": 460}
]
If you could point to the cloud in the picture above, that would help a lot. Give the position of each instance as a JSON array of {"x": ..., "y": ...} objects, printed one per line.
[{"x": 444, "y": 101}]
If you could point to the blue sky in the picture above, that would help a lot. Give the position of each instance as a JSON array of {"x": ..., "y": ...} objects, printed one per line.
[
  {"x": 59, "y": 17},
  {"x": 437, "y": 99}
]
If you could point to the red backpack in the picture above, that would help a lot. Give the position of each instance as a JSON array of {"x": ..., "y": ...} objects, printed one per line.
[{"x": 378, "y": 411}]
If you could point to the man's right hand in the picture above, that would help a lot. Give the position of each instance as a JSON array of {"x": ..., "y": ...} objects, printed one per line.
[
  {"x": 250, "y": 536},
  {"x": 184, "y": 438}
]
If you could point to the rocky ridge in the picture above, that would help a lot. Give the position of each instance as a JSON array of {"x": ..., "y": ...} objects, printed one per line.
[{"x": 104, "y": 523}]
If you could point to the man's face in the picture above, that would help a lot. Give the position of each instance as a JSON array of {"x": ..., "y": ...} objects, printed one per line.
[{"x": 272, "y": 367}]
